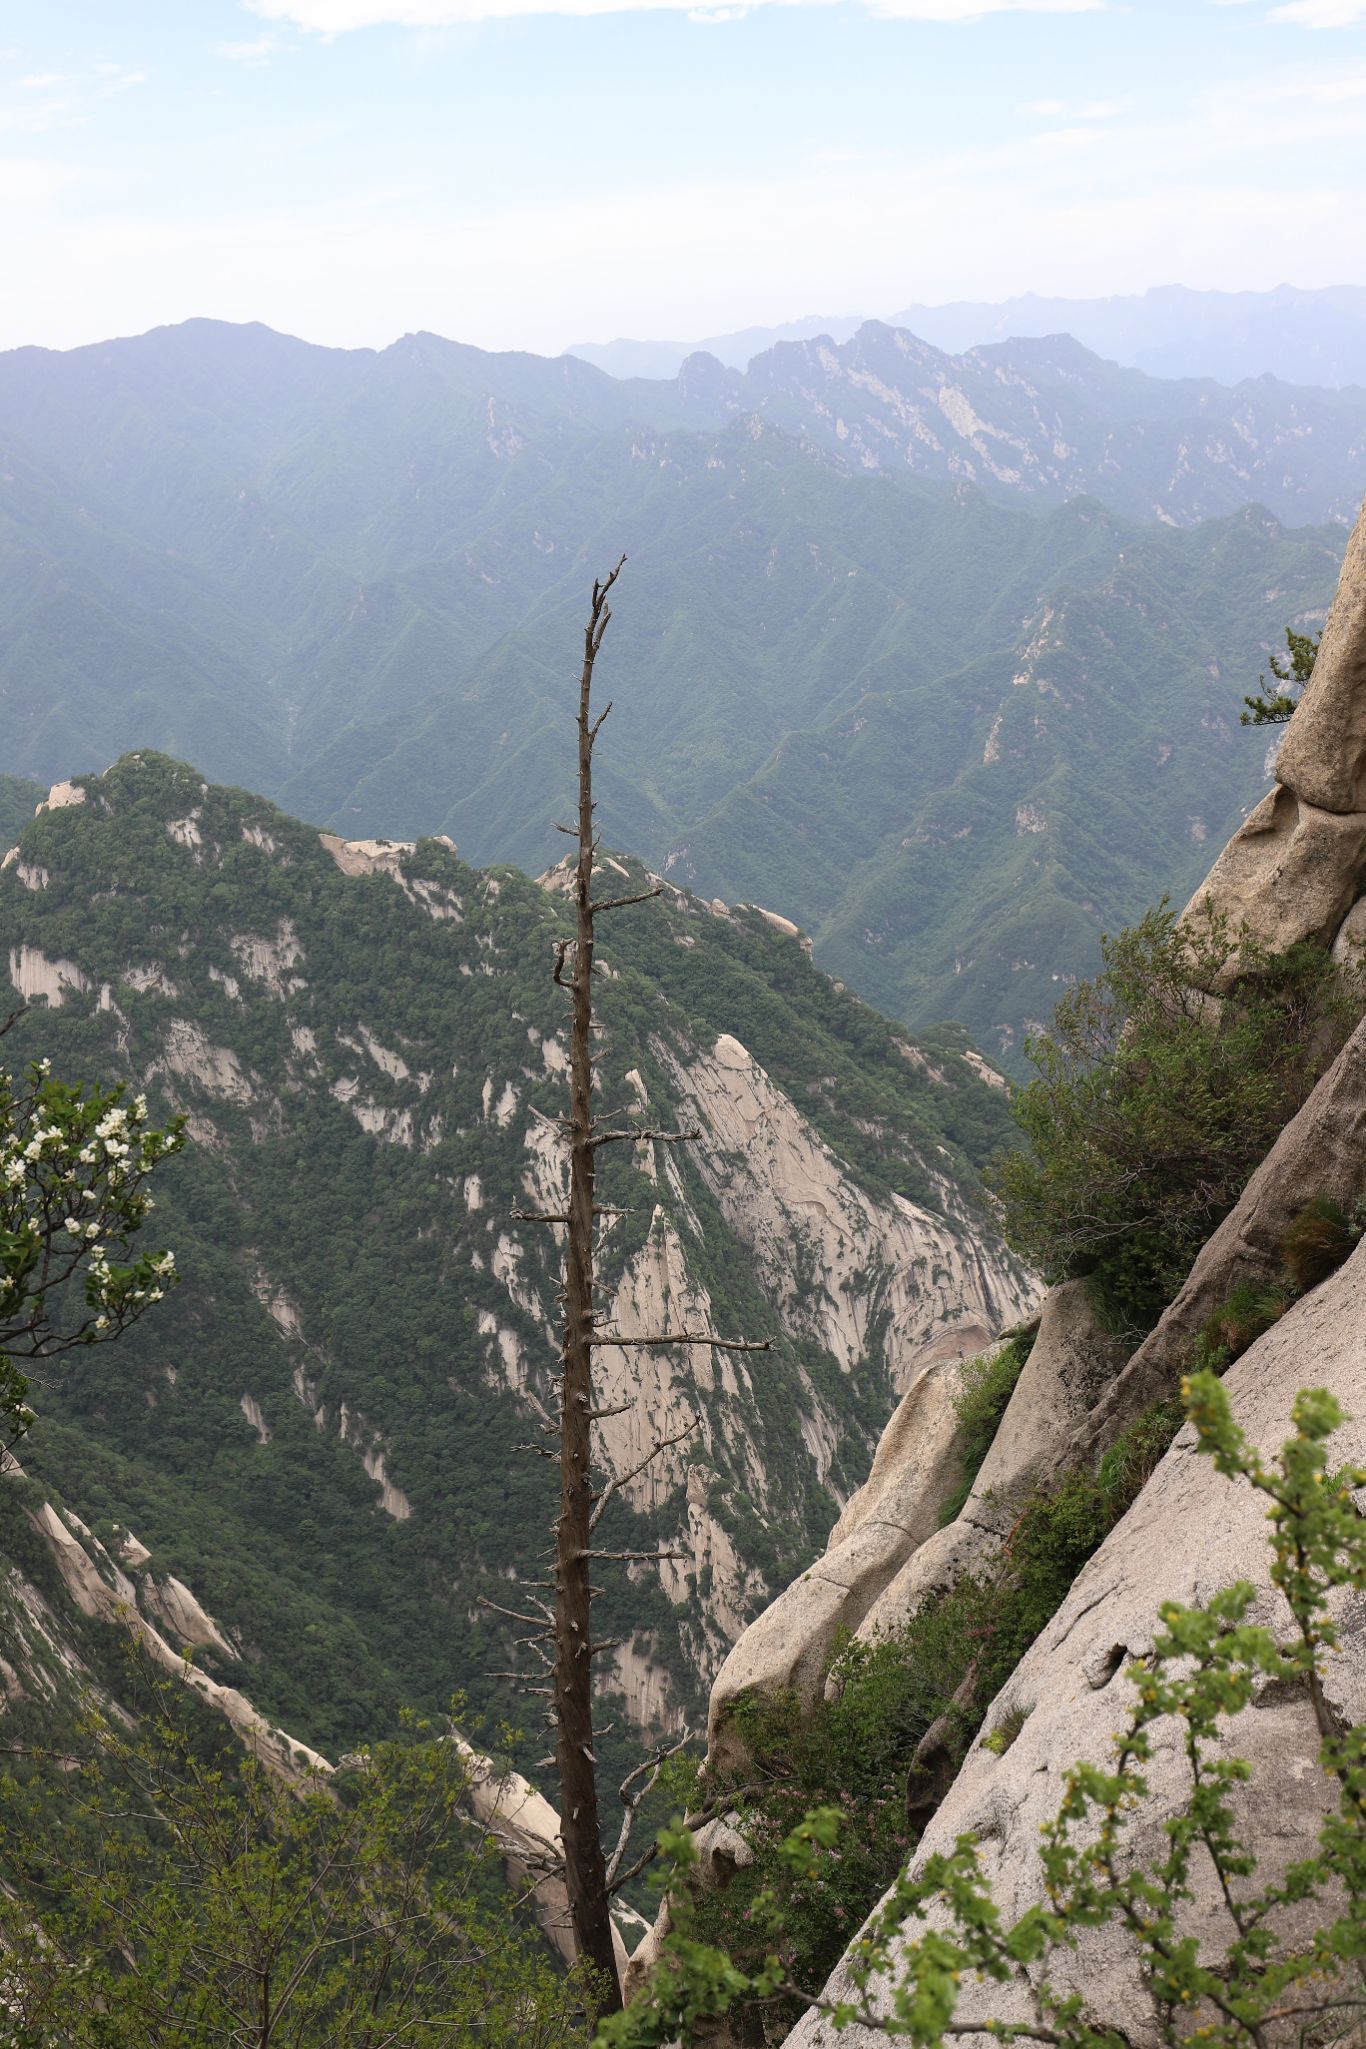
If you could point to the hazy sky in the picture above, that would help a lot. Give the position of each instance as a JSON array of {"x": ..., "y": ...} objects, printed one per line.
[{"x": 526, "y": 173}]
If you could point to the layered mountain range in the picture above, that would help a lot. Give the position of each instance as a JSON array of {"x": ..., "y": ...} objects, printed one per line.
[
  {"x": 1302, "y": 337},
  {"x": 317, "y": 1431},
  {"x": 877, "y": 647}
]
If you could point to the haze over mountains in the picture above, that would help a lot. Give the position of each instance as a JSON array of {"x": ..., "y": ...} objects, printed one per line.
[
  {"x": 1301, "y": 337},
  {"x": 889, "y": 613}
]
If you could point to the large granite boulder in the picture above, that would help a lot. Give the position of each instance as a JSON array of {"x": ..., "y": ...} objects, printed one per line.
[
  {"x": 1290, "y": 872},
  {"x": 1189, "y": 1534},
  {"x": 787, "y": 1648},
  {"x": 1323, "y": 758},
  {"x": 1072, "y": 1360}
]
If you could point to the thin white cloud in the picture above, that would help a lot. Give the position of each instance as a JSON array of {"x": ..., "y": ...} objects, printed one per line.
[
  {"x": 1321, "y": 13},
  {"x": 258, "y": 50},
  {"x": 41, "y": 81},
  {"x": 339, "y": 17}
]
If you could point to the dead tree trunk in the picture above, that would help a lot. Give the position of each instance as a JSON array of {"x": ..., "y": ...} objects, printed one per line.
[
  {"x": 581, "y": 1833},
  {"x": 591, "y": 1877}
]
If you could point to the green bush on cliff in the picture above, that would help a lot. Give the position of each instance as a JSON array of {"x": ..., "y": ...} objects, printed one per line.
[
  {"x": 1153, "y": 1102},
  {"x": 987, "y": 1385}
]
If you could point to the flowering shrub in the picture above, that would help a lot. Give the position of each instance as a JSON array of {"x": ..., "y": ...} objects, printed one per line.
[{"x": 74, "y": 1167}]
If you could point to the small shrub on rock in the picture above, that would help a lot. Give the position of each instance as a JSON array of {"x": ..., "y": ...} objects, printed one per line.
[
  {"x": 1250, "y": 1311},
  {"x": 1317, "y": 1242}
]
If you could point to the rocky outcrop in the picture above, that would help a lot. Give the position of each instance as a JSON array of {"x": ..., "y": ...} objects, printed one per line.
[
  {"x": 842, "y": 1260},
  {"x": 788, "y": 1647},
  {"x": 102, "y": 1590},
  {"x": 1071, "y": 1361},
  {"x": 1189, "y": 1534},
  {"x": 1294, "y": 870},
  {"x": 1323, "y": 756}
]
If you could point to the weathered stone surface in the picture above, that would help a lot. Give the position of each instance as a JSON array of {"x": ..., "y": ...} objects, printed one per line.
[
  {"x": 787, "y": 1647},
  {"x": 1322, "y": 1151},
  {"x": 1292, "y": 871},
  {"x": 182, "y": 1612},
  {"x": 1349, "y": 948},
  {"x": 1323, "y": 756},
  {"x": 1189, "y": 1534},
  {"x": 960, "y": 1548},
  {"x": 1072, "y": 1360}
]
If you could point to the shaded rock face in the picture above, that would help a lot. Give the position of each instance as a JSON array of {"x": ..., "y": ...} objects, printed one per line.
[
  {"x": 1189, "y": 1534},
  {"x": 1294, "y": 870},
  {"x": 1323, "y": 758}
]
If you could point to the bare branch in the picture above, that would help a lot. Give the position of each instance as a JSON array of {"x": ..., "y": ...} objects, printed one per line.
[
  {"x": 684, "y": 1337},
  {"x": 636, "y": 1557},
  {"x": 641, "y": 1134},
  {"x": 515, "y": 1614},
  {"x": 618, "y": 903},
  {"x": 649, "y": 1771},
  {"x": 619, "y": 1480}
]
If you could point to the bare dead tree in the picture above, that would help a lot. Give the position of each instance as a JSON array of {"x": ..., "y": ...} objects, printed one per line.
[{"x": 562, "y": 1634}]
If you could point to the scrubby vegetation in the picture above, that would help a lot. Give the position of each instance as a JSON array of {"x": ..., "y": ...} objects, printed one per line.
[
  {"x": 165, "y": 1890},
  {"x": 1154, "y": 1101},
  {"x": 856, "y": 1753}
]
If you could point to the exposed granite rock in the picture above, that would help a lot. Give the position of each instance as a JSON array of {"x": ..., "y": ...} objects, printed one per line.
[
  {"x": 788, "y": 1646},
  {"x": 1295, "y": 868},
  {"x": 1323, "y": 756},
  {"x": 1189, "y": 1534},
  {"x": 1291, "y": 872},
  {"x": 1071, "y": 1362}
]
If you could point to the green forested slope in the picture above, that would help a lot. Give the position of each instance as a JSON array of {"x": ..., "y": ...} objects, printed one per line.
[
  {"x": 349, "y": 580},
  {"x": 364, "y": 1061},
  {"x": 18, "y": 800}
]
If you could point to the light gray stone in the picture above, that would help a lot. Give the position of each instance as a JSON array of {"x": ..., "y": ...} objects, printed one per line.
[
  {"x": 1189, "y": 1534},
  {"x": 788, "y": 1647},
  {"x": 1290, "y": 872},
  {"x": 1349, "y": 948},
  {"x": 1323, "y": 755},
  {"x": 1071, "y": 1361}
]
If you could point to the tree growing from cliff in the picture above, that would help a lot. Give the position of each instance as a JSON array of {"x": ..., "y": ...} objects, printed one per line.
[
  {"x": 1152, "y": 1105},
  {"x": 1275, "y": 707},
  {"x": 562, "y": 1627},
  {"x": 74, "y": 1168},
  {"x": 1293, "y": 1968}
]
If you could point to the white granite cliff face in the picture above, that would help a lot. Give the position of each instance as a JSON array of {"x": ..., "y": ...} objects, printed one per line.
[
  {"x": 1189, "y": 1534},
  {"x": 840, "y": 1260}
]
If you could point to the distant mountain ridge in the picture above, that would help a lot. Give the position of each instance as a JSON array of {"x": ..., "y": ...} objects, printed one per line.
[
  {"x": 350, "y": 579},
  {"x": 1300, "y": 337}
]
